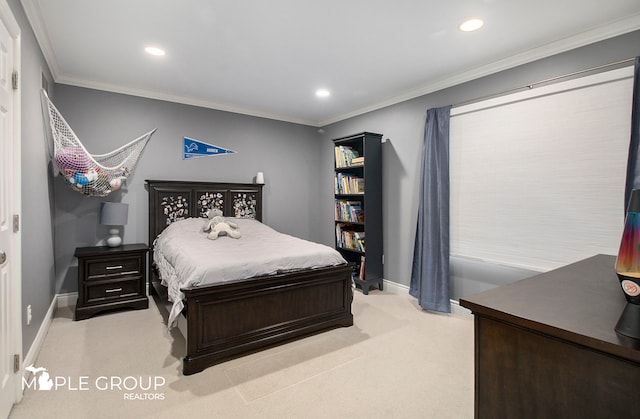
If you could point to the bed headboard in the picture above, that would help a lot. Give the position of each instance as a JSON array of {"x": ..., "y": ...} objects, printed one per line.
[{"x": 173, "y": 200}]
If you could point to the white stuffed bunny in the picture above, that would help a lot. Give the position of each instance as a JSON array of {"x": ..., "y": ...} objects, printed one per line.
[{"x": 220, "y": 226}]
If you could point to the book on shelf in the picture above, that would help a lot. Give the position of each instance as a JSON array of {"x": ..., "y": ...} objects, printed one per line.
[
  {"x": 349, "y": 239},
  {"x": 350, "y": 211},
  {"x": 357, "y": 160},
  {"x": 339, "y": 234},
  {"x": 362, "y": 268},
  {"x": 357, "y": 215},
  {"x": 345, "y": 155},
  {"x": 347, "y": 183}
]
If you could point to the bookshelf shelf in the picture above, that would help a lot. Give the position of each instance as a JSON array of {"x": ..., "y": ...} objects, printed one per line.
[
  {"x": 358, "y": 205},
  {"x": 347, "y": 249},
  {"x": 355, "y": 166}
]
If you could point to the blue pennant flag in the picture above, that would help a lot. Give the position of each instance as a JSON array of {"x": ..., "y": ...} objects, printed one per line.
[{"x": 194, "y": 148}]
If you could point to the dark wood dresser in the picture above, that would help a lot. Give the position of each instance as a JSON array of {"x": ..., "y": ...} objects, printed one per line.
[
  {"x": 545, "y": 346},
  {"x": 111, "y": 278}
]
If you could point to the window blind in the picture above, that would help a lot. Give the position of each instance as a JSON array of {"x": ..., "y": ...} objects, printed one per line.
[{"x": 537, "y": 177}]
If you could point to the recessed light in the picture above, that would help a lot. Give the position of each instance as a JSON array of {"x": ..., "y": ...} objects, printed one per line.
[
  {"x": 323, "y": 93},
  {"x": 155, "y": 51},
  {"x": 471, "y": 25}
]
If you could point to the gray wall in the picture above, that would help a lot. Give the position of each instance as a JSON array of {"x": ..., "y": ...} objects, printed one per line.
[
  {"x": 286, "y": 153},
  {"x": 37, "y": 201},
  {"x": 402, "y": 126}
]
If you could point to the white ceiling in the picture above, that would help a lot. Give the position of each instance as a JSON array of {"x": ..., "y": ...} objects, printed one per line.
[{"x": 267, "y": 58}]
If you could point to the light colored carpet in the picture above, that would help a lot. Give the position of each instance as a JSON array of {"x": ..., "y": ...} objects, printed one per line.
[{"x": 397, "y": 361}]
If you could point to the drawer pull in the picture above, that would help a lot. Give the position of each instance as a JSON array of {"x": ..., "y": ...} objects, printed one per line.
[
  {"x": 114, "y": 290},
  {"x": 113, "y": 267}
]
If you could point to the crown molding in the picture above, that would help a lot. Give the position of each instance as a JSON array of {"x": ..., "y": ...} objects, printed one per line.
[
  {"x": 600, "y": 33},
  {"x": 34, "y": 15},
  {"x": 596, "y": 34},
  {"x": 150, "y": 94}
]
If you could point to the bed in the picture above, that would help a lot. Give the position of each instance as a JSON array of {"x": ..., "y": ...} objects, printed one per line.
[{"x": 238, "y": 316}]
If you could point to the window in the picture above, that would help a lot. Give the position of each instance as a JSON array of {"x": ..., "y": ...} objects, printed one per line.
[{"x": 537, "y": 177}]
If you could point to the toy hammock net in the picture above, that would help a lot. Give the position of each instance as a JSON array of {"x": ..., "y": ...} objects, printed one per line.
[{"x": 90, "y": 174}]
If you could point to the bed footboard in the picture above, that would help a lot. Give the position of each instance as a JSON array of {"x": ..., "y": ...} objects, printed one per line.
[{"x": 235, "y": 318}]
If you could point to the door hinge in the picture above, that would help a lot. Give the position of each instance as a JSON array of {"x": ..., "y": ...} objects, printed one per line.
[
  {"x": 16, "y": 223},
  {"x": 16, "y": 363},
  {"x": 14, "y": 80}
]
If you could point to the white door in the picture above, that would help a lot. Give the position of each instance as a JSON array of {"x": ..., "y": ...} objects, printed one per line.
[{"x": 8, "y": 239}]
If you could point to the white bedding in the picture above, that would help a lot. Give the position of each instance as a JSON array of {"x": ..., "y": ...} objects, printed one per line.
[{"x": 186, "y": 257}]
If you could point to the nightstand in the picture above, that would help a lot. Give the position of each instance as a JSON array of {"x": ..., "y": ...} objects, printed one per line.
[{"x": 111, "y": 278}]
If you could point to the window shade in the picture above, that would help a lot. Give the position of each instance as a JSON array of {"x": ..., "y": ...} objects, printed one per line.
[{"x": 537, "y": 177}]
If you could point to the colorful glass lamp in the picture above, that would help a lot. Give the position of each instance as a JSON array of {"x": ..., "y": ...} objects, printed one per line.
[{"x": 628, "y": 269}]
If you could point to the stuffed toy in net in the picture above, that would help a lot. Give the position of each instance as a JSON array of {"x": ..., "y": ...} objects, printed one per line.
[{"x": 90, "y": 174}]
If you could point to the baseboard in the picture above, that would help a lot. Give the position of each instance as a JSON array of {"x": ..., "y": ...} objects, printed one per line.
[
  {"x": 459, "y": 311},
  {"x": 395, "y": 288},
  {"x": 59, "y": 300},
  {"x": 67, "y": 300},
  {"x": 400, "y": 289},
  {"x": 32, "y": 355}
]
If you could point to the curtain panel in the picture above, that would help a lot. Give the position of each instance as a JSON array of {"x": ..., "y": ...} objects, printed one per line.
[{"x": 430, "y": 271}]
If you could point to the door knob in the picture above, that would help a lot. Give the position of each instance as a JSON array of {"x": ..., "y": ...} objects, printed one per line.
[{"x": 3, "y": 257}]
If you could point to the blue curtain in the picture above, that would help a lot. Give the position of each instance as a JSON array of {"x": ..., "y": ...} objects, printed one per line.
[
  {"x": 633, "y": 175},
  {"x": 430, "y": 270}
]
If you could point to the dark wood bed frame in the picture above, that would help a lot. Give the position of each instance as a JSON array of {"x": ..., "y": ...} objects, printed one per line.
[{"x": 235, "y": 318}]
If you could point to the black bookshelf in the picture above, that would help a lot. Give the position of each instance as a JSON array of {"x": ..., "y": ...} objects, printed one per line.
[{"x": 358, "y": 202}]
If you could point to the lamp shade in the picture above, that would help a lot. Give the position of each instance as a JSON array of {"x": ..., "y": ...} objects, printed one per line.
[{"x": 114, "y": 213}]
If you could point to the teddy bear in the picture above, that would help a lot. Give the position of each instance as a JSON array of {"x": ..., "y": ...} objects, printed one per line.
[{"x": 219, "y": 226}]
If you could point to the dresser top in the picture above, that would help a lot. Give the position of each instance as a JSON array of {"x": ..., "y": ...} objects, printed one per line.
[{"x": 580, "y": 303}]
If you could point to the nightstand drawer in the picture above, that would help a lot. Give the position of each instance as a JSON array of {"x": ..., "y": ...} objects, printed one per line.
[
  {"x": 115, "y": 289},
  {"x": 117, "y": 267}
]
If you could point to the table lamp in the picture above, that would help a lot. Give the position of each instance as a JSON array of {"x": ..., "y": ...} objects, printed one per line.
[
  {"x": 628, "y": 269},
  {"x": 114, "y": 214}
]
